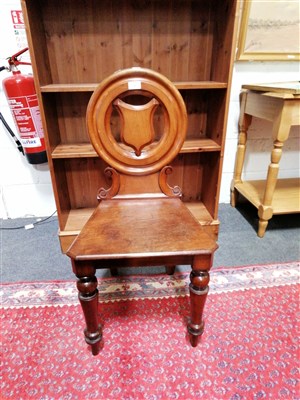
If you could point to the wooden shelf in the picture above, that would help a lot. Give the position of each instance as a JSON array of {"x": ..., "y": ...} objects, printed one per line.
[
  {"x": 68, "y": 87},
  {"x": 83, "y": 150},
  {"x": 75, "y": 220},
  {"x": 201, "y": 85},
  {"x": 200, "y": 212},
  {"x": 90, "y": 87},
  {"x": 286, "y": 198},
  {"x": 80, "y": 150},
  {"x": 200, "y": 145}
]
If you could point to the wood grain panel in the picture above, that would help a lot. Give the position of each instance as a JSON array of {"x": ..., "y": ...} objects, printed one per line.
[
  {"x": 216, "y": 128},
  {"x": 84, "y": 178},
  {"x": 95, "y": 39},
  {"x": 71, "y": 112},
  {"x": 196, "y": 105},
  {"x": 187, "y": 174},
  {"x": 201, "y": 40},
  {"x": 223, "y": 39}
]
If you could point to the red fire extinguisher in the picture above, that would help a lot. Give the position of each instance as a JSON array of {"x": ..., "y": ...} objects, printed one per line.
[{"x": 23, "y": 103}]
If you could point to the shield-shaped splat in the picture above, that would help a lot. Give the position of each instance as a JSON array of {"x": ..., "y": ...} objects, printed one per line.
[{"x": 137, "y": 124}]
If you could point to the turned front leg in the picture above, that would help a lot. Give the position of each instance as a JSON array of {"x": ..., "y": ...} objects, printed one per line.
[
  {"x": 170, "y": 269},
  {"x": 199, "y": 278},
  {"x": 88, "y": 297}
]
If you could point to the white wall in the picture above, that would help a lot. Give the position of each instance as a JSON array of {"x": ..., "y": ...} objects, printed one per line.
[{"x": 25, "y": 190}]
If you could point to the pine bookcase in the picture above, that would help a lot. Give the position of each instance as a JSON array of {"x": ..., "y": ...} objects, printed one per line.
[{"x": 74, "y": 45}]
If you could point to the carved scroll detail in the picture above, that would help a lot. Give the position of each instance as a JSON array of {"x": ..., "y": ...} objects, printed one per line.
[
  {"x": 115, "y": 186},
  {"x": 165, "y": 187}
]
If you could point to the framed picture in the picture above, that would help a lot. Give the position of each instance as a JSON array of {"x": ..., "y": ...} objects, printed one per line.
[{"x": 270, "y": 30}]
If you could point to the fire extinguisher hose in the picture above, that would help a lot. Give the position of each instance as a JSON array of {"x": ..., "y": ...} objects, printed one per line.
[{"x": 18, "y": 144}]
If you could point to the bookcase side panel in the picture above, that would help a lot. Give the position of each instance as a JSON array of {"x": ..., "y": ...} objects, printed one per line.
[
  {"x": 211, "y": 182},
  {"x": 36, "y": 37},
  {"x": 225, "y": 16}
]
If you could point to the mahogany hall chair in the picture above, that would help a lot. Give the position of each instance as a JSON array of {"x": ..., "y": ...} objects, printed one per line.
[{"x": 141, "y": 220}]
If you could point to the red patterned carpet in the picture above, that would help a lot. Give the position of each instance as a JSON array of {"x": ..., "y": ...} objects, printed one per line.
[{"x": 249, "y": 350}]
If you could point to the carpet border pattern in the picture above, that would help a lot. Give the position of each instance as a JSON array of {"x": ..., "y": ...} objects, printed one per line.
[{"x": 139, "y": 287}]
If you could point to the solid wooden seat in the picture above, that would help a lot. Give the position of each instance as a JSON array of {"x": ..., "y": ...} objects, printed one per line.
[
  {"x": 141, "y": 228},
  {"x": 141, "y": 220}
]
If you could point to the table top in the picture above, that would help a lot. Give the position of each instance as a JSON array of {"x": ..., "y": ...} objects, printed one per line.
[{"x": 276, "y": 87}]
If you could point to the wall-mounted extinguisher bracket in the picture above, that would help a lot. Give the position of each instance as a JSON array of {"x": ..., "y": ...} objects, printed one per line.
[
  {"x": 23, "y": 103},
  {"x": 13, "y": 60}
]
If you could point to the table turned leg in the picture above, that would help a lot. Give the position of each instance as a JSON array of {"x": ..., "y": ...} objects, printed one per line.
[
  {"x": 265, "y": 210},
  {"x": 244, "y": 123},
  {"x": 88, "y": 297},
  {"x": 280, "y": 132},
  {"x": 281, "y": 129},
  {"x": 199, "y": 278}
]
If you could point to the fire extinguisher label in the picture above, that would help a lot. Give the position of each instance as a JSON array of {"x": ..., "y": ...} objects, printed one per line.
[
  {"x": 28, "y": 119},
  {"x": 35, "y": 142}
]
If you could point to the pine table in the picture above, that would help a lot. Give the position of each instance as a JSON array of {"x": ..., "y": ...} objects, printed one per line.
[{"x": 280, "y": 104}]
